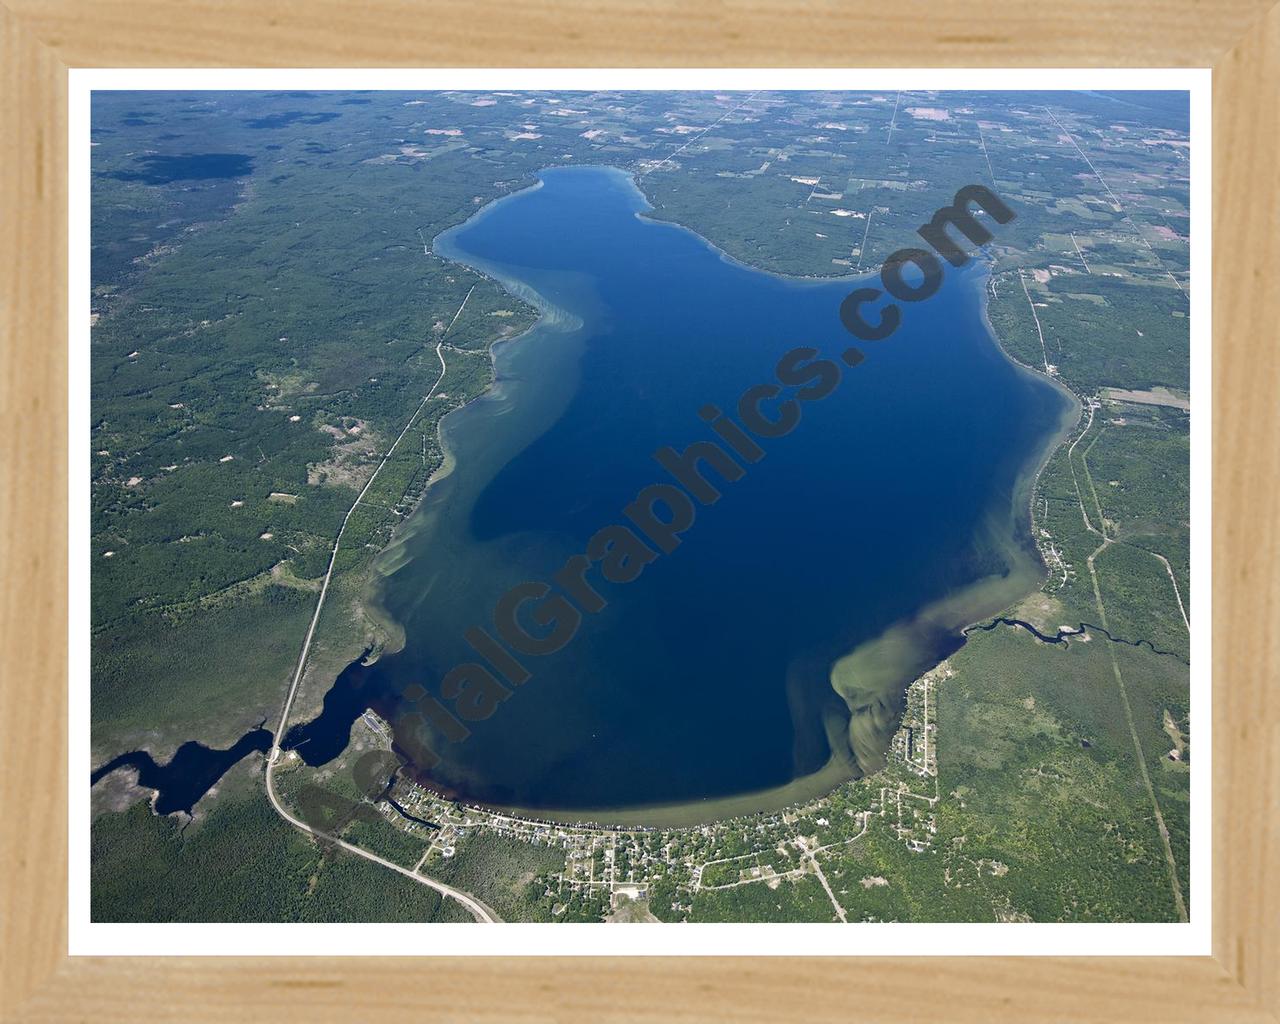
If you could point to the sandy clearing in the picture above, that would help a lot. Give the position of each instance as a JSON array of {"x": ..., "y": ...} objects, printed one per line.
[{"x": 1156, "y": 396}]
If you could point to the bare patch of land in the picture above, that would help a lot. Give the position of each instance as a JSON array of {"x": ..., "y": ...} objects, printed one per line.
[
  {"x": 1156, "y": 396},
  {"x": 351, "y": 464}
]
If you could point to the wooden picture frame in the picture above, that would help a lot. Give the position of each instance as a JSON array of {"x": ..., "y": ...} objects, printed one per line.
[{"x": 42, "y": 39}]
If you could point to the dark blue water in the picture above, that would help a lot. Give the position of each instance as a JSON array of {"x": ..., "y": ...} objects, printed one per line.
[
  {"x": 192, "y": 771},
  {"x": 710, "y": 675}
]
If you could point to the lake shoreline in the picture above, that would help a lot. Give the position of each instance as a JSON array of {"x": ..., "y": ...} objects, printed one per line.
[
  {"x": 550, "y": 317},
  {"x": 945, "y": 617}
]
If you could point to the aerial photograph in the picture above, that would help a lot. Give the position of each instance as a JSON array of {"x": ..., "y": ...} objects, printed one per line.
[{"x": 639, "y": 506}]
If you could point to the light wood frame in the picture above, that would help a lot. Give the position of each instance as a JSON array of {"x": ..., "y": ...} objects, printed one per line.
[{"x": 41, "y": 39}]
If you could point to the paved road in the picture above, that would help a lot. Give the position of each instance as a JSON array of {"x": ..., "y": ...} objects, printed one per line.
[{"x": 478, "y": 909}]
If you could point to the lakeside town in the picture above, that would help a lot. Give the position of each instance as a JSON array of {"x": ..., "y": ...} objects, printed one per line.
[{"x": 617, "y": 870}]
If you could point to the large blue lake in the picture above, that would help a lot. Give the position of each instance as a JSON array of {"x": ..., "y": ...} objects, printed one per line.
[{"x": 894, "y": 514}]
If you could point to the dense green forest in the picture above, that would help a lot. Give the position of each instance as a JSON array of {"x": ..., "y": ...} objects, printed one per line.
[
  {"x": 242, "y": 863},
  {"x": 266, "y": 317}
]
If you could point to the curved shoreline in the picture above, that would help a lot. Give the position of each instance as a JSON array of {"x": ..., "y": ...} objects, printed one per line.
[
  {"x": 941, "y": 614},
  {"x": 1066, "y": 429},
  {"x": 949, "y": 615},
  {"x": 550, "y": 316}
]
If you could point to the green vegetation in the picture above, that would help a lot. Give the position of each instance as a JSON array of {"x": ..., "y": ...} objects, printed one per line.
[
  {"x": 225, "y": 655},
  {"x": 1137, "y": 335},
  {"x": 1140, "y": 599},
  {"x": 387, "y": 841},
  {"x": 244, "y": 387},
  {"x": 1050, "y": 819},
  {"x": 243, "y": 863},
  {"x": 798, "y": 899},
  {"x": 266, "y": 323},
  {"x": 505, "y": 874},
  {"x": 878, "y": 879},
  {"x": 1124, "y": 481},
  {"x": 1013, "y": 792}
]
